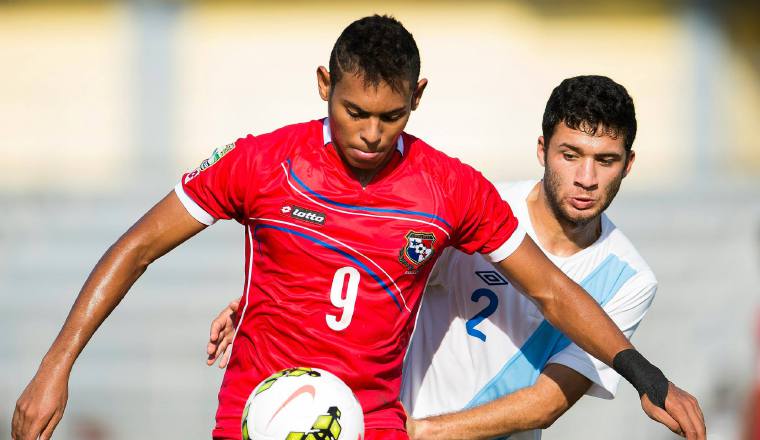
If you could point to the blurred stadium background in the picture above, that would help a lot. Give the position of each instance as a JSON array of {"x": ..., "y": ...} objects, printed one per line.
[{"x": 104, "y": 104}]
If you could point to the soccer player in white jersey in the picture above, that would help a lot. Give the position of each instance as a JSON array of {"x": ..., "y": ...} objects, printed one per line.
[
  {"x": 483, "y": 361},
  {"x": 484, "y": 349}
]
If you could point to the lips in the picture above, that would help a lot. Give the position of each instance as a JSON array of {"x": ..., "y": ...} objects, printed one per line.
[
  {"x": 366, "y": 155},
  {"x": 581, "y": 203}
]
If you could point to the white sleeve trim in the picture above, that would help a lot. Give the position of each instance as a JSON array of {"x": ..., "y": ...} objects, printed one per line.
[
  {"x": 193, "y": 208},
  {"x": 509, "y": 246},
  {"x": 604, "y": 380}
]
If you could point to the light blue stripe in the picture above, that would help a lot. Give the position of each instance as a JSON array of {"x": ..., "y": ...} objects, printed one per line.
[
  {"x": 524, "y": 367},
  {"x": 362, "y": 208},
  {"x": 335, "y": 249}
]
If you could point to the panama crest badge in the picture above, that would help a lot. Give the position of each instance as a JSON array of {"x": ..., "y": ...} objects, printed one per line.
[{"x": 417, "y": 250}]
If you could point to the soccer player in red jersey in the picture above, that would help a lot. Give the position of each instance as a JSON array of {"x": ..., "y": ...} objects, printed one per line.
[{"x": 344, "y": 218}]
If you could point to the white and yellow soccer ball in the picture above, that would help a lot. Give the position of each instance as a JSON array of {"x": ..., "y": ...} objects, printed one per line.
[{"x": 302, "y": 404}]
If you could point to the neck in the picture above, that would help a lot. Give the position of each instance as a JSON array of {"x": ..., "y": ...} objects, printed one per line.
[
  {"x": 364, "y": 176},
  {"x": 557, "y": 236}
]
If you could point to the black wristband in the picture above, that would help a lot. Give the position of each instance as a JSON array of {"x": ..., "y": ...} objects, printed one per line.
[{"x": 645, "y": 377}]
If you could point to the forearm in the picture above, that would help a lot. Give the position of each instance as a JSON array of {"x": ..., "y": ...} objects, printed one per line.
[
  {"x": 557, "y": 388},
  {"x": 520, "y": 411},
  {"x": 164, "y": 227},
  {"x": 576, "y": 314},
  {"x": 106, "y": 285},
  {"x": 563, "y": 303}
]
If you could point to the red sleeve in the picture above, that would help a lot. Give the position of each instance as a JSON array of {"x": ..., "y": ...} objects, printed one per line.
[
  {"x": 487, "y": 224},
  {"x": 217, "y": 189}
]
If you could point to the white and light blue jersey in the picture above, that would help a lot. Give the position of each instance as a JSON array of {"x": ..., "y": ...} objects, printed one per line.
[{"x": 477, "y": 338}]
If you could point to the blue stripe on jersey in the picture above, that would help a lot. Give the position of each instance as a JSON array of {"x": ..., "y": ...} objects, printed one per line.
[
  {"x": 335, "y": 249},
  {"x": 362, "y": 208},
  {"x": 524, "y": 367}
]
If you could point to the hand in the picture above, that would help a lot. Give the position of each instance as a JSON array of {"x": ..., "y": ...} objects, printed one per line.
[
  {"x": 41, "y": 406},
  {"x": 220, "y": 336},
  {"x": 416, "y": 429},
  {"x": 411, "y": 428},
  {"x": 683, "y": 415}
]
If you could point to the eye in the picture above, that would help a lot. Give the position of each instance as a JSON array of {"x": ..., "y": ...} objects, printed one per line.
[
  {"x": 606, "y": 162},
  {"x": 392, "y": 118},
  {"x": 568, "y": 156},
  {"x": 352, "y": 114}
]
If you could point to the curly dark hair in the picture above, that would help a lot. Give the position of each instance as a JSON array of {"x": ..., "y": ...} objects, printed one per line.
[
  {"x": 590, "y": 104},
  {"x": 380, "y": 49}
]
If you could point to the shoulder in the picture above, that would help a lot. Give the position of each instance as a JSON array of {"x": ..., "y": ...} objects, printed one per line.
[
  {"x": 618, "y": 244},
  {"x": 305, "y": 132},
  {"x": 516, "y": 191},
  {"x": 427, "y": 157},
  {"x": 276, "y": 146}
]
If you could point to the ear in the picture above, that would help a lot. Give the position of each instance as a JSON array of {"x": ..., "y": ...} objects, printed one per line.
[
  {"x": 541, "y": 151},
  {"x": 323, "y": 83},
  {"x": 630, "y": 157},
  {"x": 417, "y": 95}
]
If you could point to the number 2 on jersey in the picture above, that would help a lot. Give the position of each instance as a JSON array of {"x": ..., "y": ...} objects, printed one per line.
[
  {"x": 493, "y": 303},
  {"x": 344, "y": 302}
]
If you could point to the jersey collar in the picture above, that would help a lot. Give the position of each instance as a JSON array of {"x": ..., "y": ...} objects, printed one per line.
[{"x": 328, "y": 137}]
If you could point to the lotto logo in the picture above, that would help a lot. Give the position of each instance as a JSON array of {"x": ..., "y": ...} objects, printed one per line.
[{"x": 304, "y": 214}]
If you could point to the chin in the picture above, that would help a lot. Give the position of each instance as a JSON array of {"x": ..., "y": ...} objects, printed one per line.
[
  {"x": 364, "y": 165},
  {"x": 581, "y": 217}
]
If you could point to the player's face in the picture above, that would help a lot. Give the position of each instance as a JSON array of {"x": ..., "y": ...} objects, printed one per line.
[
  {"x": 582, "y": 172},
  {"x": 366, "y": 121}
]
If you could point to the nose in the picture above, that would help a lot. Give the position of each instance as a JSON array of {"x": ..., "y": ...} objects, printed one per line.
[
  {"x": 585, "y": 175},
  {"x": 371, "y": 132}
]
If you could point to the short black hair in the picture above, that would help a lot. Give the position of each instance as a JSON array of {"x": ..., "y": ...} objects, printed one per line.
[
  {"x": 591, "y": 103},
  {"x": 380, "y": 49}
]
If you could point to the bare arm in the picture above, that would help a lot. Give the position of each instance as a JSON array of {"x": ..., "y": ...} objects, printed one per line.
[
  {"x": 564, "y": 303},
  {"x": 161, "y": 229},
  {"x": 575, "y": 313},
  {"x": 535, "y": 407}
]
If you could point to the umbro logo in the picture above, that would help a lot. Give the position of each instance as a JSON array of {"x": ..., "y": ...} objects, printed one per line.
[
  {"x": 491, "y": 277},
  {"x": 304, "y": 214}
]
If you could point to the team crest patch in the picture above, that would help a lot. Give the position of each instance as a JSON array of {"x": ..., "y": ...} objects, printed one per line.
[
  {"x": 217, "y": 154},
  {"x": 418, "y": 249}
]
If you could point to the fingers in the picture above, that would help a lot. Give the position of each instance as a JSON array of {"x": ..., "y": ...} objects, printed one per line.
[
  {"x": 226, "y": 357},
  {"x": 691, "y": 406},
  {"x": 219, "y": 350},
  {"x": 212, "y": 350},
  {"x": 220, "y": 335},
  {"x": 660, "y": 415},
  {"x": 27, "y": 425},
  {"x": 47, "y": 432},
  {"x": 234, "y": 305},
  {"x": 223, "y": 319},
  {"x": 225, "y": 346},
  {"x": 21, "y": 425},
  {"x": 216, "y": 326},
  {"x": 16, "y": 424},
  {"x": 684, "y": 408}
]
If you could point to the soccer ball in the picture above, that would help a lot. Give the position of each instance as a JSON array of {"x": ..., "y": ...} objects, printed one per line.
[{"x": 302, "y": 404}]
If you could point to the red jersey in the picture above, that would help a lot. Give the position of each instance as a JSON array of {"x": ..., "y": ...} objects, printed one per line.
[{"x": 335, "y": 271}]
